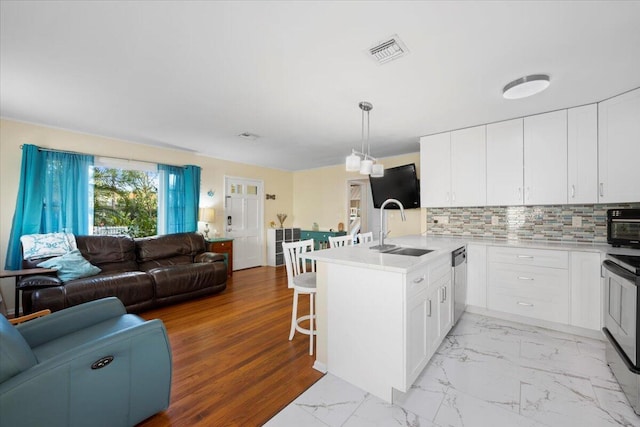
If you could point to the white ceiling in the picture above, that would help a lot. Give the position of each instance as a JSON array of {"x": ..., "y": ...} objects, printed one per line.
[{"x": 194, "y": 75}]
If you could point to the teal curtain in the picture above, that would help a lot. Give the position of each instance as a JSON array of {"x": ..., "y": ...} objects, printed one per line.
[
  {"x": 53, "y": 195},
  {"x": 181, "y": 196}
]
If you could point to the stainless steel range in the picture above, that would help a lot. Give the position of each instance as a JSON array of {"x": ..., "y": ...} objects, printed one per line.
[{"x": 621, "y": 322}]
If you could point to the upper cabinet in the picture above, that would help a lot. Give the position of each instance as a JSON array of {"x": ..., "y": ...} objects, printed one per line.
[
  {"x": 504, "y": 163},
  {"x": 582, "y": 154},
  {"x": 453, "y": 168},
  {"x": 619, "y": 148},
  {"x": 435, "y": 170},
  {"x": 545, "y": 159},
  {"x": 468, "y": 167}
]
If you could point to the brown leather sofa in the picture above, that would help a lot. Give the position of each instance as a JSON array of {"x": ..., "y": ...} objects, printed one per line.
[{"x": 143, "y": 273}]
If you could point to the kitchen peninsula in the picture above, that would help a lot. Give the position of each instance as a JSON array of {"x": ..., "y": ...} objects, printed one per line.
[{"x": 380, "y": 316}]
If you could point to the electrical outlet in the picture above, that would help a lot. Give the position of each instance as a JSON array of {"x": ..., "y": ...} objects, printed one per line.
[
  {"x": 441, "y": 219},
  {"x": 495, "y": 220},
  {"x": 576, "y": 221}
]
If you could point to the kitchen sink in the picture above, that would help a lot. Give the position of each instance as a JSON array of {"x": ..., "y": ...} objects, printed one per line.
[{"x": 408, "y": 251}]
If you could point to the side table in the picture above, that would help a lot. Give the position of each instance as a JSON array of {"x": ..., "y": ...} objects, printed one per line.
[
  {"x": 223, "y": 245},
  {"x": 17, "y": 274}
]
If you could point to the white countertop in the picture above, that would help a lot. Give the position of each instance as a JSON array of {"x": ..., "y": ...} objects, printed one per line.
[{"x": 362, "y": 256}]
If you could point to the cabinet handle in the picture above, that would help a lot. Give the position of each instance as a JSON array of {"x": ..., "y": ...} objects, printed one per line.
[
  {"x": 526, "y": 256},
  {"x": 602, "y": 189},
  {"x": 520, "y": 193},
  {"x": 573, "y": 191},
  {"x": 524, "y": 278},
  {"x": 526, "y": 304},
  {"x": 429, "y": 314},
  {"x": 445, "y": 293},
  {"x": 446, "y": 197},
  {"x": 418, "y": 280},
  {"x": 453, "y": 196}
]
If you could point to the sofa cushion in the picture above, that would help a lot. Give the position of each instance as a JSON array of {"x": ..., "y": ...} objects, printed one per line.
[
  {"x": 130, "y": 287},
  {"x": 182, "y": 279},
  {"x": 110, "y": 253},
  {"x": 15, "y": 354},
  {"x": 71, "y": 266},
  {"x": 180, "y": 245}
]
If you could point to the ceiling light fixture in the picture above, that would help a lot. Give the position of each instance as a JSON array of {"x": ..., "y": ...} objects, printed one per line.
[
  {"x": 358, "y": 160},
  {"x": 526, "y": 86}
]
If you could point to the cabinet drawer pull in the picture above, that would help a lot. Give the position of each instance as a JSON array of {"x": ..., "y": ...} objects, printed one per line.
[
  {"x": 526, "y": 256},
  {"x": 524, "y": 278},
  {"x": 573, "y": 191},
  {"x": 418, "y": 280},
  {"x": 429, "y": 314},
  {"x": 526, "y": 304},
  {"x": 601, "y": 189}
]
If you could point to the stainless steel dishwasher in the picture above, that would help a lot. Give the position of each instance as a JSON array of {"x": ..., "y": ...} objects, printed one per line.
[{"x": 459, "y": 265}]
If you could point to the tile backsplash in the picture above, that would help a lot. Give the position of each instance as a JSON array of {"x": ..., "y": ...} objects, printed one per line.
[{"x": 568, "y": 223}]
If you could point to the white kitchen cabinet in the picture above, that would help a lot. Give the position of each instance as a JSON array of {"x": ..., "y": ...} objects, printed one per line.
[
  {"x": 435, "y": 170},
  {"x": 529, "y": 282},
  {"x": 545, "y": 158},
  {"x": 582, "y": 154},
  {"x": 453, "y": 168},
  {"x": 504, "y": 163},
  {"x": 468, "y": 167},
  {"x": 586, "y": 310},
  {"x": 477, "y": 275},
  {"x": 418, "y": 314},
  {"x": 619, "y": 148}
]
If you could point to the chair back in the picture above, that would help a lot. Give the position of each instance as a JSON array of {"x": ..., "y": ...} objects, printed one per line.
[
  {"x": 294, "y": 262},
  {"x": 365, "y": 237},
  {"x": 338, "y": 241},
  {"x": 15, "y": 354}
]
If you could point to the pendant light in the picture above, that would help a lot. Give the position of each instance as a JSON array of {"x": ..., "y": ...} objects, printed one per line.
[{"x": 358, "y": 161}]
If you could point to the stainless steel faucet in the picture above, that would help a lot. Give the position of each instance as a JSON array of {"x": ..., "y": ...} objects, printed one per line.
[{"x": 381, "y": 246}]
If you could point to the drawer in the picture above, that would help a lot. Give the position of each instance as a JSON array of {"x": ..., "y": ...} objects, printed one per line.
[
  {"x": 553, "y": 311},
  {"x": 528, "y": 279},
  {"x": 526, "y": 256},
  {"x": 416, "y": 282}
]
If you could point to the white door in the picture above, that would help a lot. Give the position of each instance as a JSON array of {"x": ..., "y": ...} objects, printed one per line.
[
  {"x": 435, "y": 170},
  {"x": 244, "y": 220},
  {"x": 504, "y": 163},
  {"x": 468, "y": 167},
  {"x": 619, "y": 149},
  {"x": 545, "y": 159}
]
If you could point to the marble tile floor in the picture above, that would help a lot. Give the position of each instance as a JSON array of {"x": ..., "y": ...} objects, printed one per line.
[{"x": 487, "y": 372}]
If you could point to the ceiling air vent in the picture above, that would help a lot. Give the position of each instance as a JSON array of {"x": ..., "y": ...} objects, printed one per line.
[
  {"x": 249, "y": 136},
  {"x": 388, "y": 50}
]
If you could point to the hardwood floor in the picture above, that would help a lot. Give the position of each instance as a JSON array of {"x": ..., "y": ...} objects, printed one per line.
[{"x": 233, "y": 364}]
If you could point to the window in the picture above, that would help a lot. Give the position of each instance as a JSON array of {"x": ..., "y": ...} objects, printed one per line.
[{"x": 125, "y": 198}]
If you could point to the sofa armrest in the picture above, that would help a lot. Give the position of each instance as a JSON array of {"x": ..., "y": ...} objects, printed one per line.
[
  {"x": 72, "y": 319},
  {"x": 209, "y": 257},
  {"x": 37, "y": 282}
]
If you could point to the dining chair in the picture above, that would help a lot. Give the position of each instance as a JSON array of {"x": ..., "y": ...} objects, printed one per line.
[
  {"x": 365, "y": 237},
  {"x": 301, "y": 277},
  {"x": 338, "y": 241}
]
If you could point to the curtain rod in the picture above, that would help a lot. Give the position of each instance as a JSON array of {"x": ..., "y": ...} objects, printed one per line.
[{"x": 53, "y": 150}]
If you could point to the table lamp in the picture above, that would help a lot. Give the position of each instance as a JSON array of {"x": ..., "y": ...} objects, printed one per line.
[{"x": 207, "y": 215}]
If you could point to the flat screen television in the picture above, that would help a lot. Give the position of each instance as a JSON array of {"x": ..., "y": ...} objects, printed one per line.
[{"x": 399, "y": 183}]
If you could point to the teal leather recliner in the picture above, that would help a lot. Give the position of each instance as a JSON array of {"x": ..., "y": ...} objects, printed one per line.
[{"x": 89, "y": 365}]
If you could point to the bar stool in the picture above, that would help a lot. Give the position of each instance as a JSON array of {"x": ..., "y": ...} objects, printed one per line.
[
  {"x": 338, "y": 241},
  {"x": 365, "y": 237},
  {"x": 303, "y": 281}
]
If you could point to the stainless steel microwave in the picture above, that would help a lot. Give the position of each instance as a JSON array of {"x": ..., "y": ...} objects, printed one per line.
[{"x": 623, "y": 227}]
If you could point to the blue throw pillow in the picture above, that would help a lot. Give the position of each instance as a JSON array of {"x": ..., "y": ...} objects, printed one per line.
[{"x": 71, "y": 266}]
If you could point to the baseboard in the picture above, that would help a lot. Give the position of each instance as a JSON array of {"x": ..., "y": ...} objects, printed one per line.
[
  {"x": 575, "y": 330},
  {"x": 319, "y": 366}
]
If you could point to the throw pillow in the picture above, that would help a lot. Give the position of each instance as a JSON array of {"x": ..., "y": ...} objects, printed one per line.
[
  {"x": 71, "y": 266},
  {"x": 35, "y": 246}
]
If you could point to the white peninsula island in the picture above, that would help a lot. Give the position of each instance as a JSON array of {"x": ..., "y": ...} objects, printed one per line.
[{"x": 380, "y": 316}]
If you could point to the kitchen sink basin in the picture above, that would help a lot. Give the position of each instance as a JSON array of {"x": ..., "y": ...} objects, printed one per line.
[{"x": 408, "y": 251}]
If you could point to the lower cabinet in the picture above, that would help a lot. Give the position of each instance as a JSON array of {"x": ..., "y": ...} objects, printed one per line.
[
  {"x": 529, "y": 282},
  {"x": 586, "y": 297},
  {"x": 429, "y": 314},
  {"x": 477, "y": 275}
]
